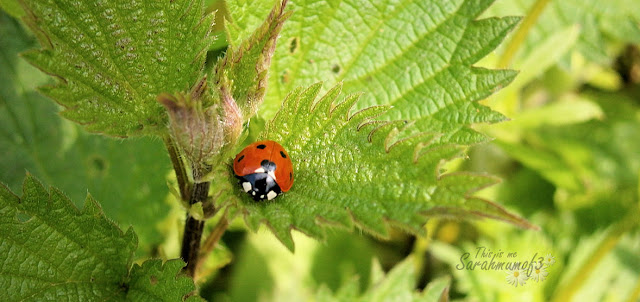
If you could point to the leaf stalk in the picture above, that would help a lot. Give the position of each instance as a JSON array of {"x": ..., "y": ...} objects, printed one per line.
[{"x": 521, "y": 34}]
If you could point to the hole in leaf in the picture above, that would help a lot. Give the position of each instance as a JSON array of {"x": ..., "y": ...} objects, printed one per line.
[
  {"x": 284, "y": 78},
  {"x": 293, "y": 44},
  {"x": 153, "y": 280},
  {"x": 97, "y": 165},
  {"x": 23, "y": 217},
  {"x": 335, "y": 68}
]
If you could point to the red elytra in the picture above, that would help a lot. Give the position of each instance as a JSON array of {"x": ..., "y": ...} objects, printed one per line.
[{"x": 264, "y": 169}]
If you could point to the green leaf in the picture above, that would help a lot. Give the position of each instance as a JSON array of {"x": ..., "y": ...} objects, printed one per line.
[
  {"x": 155, "y": 281},
  {"x": 598, "y": 21},
  {"x": 12, "y": 7},
  {"x": 397, "y": 285},
  {"x": 437, "y": 290},
  {"x": 34, "y": 138},
  {"x": 543, "y": 55},
  {"x": 244, "y": 17},
  {"x": 589, "y": 160},
  {"x": 344, "y": 265},
  {"x": 419, "y": 65},
  {"x": 600, "y": 267},
  {"x": 343, "y": 175},
  {"x": 571, "y": 109},
  {"x": 111, "y": 59},
  {"x": 51, "y": 249},
  {"x": 243, "y": 70}
]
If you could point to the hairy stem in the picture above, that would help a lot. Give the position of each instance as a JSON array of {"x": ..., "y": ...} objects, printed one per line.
[
  {"x": 193, "y": 230},
  {"x": 198, "y": 192},
  {"x": 178, "y": 167}
]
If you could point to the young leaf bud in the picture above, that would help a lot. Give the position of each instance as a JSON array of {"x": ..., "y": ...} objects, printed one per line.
[{"x": 200, "y": 132}]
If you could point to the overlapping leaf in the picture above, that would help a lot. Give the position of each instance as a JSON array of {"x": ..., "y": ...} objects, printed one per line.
[
  {"x": 414, "y": 55},
  {"x": 34, "y": 139},
  {"x": 112, "y": 58},
  {"x": 49, "y": 249},
  {"x": 352, "y": 170},
  {"x": 155, "y": 281}
]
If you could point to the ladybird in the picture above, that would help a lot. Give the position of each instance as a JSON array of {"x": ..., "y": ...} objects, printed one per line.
[{"x": 264, "y": 169}]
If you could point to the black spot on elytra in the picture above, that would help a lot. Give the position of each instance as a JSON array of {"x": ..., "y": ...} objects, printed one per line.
[
  {"x": 290, "y": 176},
  {"x": 241, "y": 158},
  {"x": 283, "y": 155},
  {"x": 261, "y": 146}
]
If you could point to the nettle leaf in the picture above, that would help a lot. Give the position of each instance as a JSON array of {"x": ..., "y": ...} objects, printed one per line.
[
  {"x": 112, "y": 58},
  {"x": 415, "y": 56},
  {"x": 155, "y": 281},
  {"x": 412, "y": 58},
  {"x": 34, "y": 138},
  {"x": 50, "y": 249},
  {"x": 350, "y": 169}
]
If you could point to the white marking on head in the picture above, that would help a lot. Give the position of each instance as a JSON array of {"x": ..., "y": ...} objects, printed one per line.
[
  {"x": 262, "y": 196},
  {"x": 259, "y": 170},
  {"x": 271, "y": 195},
  {"x": 246, "y": 186},
  {"x": 253, "y": 193},
  {"x": 272, "y": 175}
]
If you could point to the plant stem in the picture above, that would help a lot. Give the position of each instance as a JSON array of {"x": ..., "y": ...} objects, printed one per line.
[
  {"x": 192, "y": 227},
  {"x": 193, "y": 230},
  {"x": 521, "y": 34},
  {"x": 421, "y": 245},
  {"x": 178, "y": 167}
]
